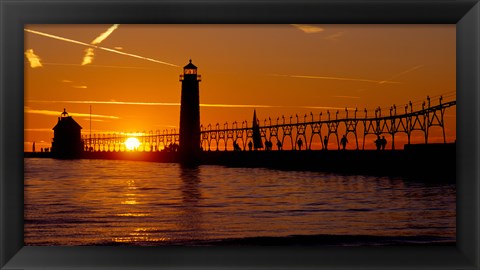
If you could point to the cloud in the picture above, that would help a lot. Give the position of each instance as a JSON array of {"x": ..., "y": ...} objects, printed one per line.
[
  {"x": 352, "y": 97},
  {"x": 335, "y": 78},
  {"x": 57, "y": 113},
  {"x": 308, "y": 29},
  {"x": 335, "y": 36},
  {"x": 88, "y": 58},
  {"x": 89, "y": 52},
  {"x": 94, "y": 120},
  {"x": 38, "y": 129},
  {"x": 74, "y": 86},
  {"x": 104, "y": 35},
  {"x": 33, "y": 59},
  {"x": 98, "y": 47}
]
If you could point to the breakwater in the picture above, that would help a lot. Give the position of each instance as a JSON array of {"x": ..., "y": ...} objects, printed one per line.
[{"x": 435, "y": 162}]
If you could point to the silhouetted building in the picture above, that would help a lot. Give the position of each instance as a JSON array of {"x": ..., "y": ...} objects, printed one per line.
[
  {"x": 67, "y": 142},
  {"x": 190, "y": 115}
]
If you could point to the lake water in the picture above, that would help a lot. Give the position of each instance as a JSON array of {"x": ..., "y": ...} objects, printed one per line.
[{"x": 105, "y": 202}]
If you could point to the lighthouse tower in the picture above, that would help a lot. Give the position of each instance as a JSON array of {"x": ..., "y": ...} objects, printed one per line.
[{"x": 190, "y": 115}]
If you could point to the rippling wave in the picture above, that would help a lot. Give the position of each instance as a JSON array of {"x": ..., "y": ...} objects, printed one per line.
[{"x": 105, "y": 202}]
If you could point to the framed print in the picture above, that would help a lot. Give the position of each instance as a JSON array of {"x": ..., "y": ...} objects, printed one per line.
[{"x": 240, "y": 134}]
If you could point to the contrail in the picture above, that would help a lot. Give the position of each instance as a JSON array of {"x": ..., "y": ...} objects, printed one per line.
[
  {"x": 98, "y": 47},
  {"x": 178, "y": 104},
  {"x": 404, "y": 72},
  {"x": 104, "y": 35},
  {"x": 333, "y": 78},
  {"x": 89, "y": 52}
]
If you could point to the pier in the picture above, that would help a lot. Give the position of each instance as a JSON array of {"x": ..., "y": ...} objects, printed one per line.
[
  {"x": 316, "y": 142},
  {"x": 429, "y": 162}
]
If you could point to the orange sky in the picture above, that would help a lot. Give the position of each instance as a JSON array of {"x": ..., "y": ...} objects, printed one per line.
[{"x": 132, "y": 81}]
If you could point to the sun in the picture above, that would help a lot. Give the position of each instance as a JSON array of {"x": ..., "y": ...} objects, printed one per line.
[{"x": 132, "y": 143}]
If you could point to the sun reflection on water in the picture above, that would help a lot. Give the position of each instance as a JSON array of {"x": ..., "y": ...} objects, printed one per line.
[
  {"x": 142, "y": 235},
  {"x": 133, "y": 215}
]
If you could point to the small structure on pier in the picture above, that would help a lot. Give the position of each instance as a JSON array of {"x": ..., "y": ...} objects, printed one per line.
[
  {"x": 67, "y": 142},
  {"x": 256, "y": 135}
]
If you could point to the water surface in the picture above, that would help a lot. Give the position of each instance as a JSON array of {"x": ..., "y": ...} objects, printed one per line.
[{"x": 105, "y": 202}]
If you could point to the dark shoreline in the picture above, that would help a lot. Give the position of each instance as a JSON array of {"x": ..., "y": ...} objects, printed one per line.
[
  {"x": 335, "y": 240},
  {"x": 320, "y": 240},
  {"x": 425, "y": 162}
]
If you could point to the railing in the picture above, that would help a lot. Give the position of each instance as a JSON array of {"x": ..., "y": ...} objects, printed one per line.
[{"x": 307, "y": 132}]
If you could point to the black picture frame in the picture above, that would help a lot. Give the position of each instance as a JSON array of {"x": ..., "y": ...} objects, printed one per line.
[{"x": 15, "y": 14}]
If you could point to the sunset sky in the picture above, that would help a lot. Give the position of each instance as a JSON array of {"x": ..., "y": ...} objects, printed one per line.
[{"x": 129, "y": 74}]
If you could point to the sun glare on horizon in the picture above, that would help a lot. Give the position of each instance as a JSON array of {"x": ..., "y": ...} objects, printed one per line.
[{"x": 132, "y": 143}]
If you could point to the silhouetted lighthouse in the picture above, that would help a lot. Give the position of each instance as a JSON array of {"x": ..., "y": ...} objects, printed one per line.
[{"x": 190, "y": 115}]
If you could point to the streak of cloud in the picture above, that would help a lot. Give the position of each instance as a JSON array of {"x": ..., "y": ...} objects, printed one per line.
[
  {"x": 308, "y": 29},
  {"x": 98, "y": 47},
  {"x": 96, "y": 66},
  {"x": 94, "y": 120},
  {"x": 108, "y": 102},
  {"x": 335, "y": 36},
  {"x": 69, "y": 82},
  {"x": 335, "y": 78},
  {"x": 33, "y": 59},
  {"x": 403, "y": 73},
  {"x": 88, "y": 58},
  {"x": 57, "y": 113},
  {"x": 38, "y": 130},
  {"x": 352, "y": 97},
  {"x": 178, "y": 104},
  {"x": 104, "y": 35}
]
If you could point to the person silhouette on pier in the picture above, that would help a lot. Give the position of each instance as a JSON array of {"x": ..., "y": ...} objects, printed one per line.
[
  {"x": 344, "y": 142},
  {"x": 279, "y": 145},
  {"x": 383, "y": 142},
  {"x": 268, "y": 145},
  {"x": 250, "y": 145},
  {"x": 300, "y": 143},
  {"x": 325, "y": 143},
  {"x": 33, "y": 147},
  {"x": 236, "y": 147},
  {"x": 378, "y": 143}
]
